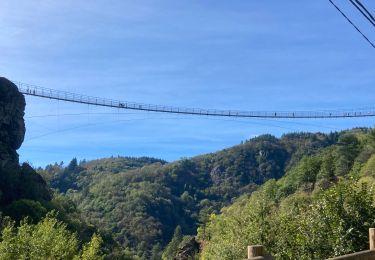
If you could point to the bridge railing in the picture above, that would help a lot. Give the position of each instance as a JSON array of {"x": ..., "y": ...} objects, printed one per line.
[{"x": 84, "y": 99}]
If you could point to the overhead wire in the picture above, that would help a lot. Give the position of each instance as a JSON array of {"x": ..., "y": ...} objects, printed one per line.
[
  {"x": 76, "y": 114},
  {"x": 255, "y": 121},
  {"x": 156, "y": 116},
  {"x": 249, "y": 120},
  {"x": 293, "y": 122},
  {"x": 356, "y": 5},
  {"x": 147, "y": 118},
  {"x": 356, "y": 27},
  {"x": 365, "y": 9}
]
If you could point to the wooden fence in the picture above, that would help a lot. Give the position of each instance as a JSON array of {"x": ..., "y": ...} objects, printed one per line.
[{"x": 258, "y": 252}]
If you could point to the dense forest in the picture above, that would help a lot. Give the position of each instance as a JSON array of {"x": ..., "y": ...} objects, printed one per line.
[
  {"x": 304, "y": 196},
  {"x": 142, "y": 202}
]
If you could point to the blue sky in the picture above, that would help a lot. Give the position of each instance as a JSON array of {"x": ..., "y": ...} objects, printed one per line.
[{"x": 245, "y": 55}]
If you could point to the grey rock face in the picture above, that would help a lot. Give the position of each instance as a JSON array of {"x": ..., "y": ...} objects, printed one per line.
[
  {"x": 12, "y": 125},
  {"x": 16, "y": 182}
]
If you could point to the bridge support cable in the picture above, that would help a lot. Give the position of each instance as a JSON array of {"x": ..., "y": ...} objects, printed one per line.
[{"x": 96, "y": 101}]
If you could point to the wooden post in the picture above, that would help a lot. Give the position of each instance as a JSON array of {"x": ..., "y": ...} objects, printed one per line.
[
  {"x": 254, "y": 251},
  {"x": 372, "y": 238}
]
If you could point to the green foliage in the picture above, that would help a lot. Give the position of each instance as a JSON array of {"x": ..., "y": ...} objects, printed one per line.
[
  {"x": 146, "y": 205},
  {"x": 347, "y": 150},
  {"x": 246, "y": 222},
  {"x": 333, "y": 223},
  {"x": 92, "y": 250},
  {"x": 369, "y": 168},
  {"x": 321, "y": 208},
  {"x": 119, "y": 164},
  {"x": 140, "y": 202},
  {"x": 171, "y": 250},
  {"x": 48, "y": 239},
  {"x": 26, "y": 195},
  {"x": 327, "y": 166},
  {"x": 20, "y": 209}
]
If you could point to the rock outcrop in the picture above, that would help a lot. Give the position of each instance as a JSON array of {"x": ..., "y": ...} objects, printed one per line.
[
  {"x": 16, "y": 182},
  {"x": 12, "y": 125},
  {"x": 188, "y": 251}
]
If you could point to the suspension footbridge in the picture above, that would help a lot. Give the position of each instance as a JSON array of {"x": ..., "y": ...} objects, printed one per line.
[{"x": 37, "y": 91}]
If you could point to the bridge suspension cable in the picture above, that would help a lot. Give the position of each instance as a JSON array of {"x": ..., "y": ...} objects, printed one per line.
[{"x": 37, "y": 91}]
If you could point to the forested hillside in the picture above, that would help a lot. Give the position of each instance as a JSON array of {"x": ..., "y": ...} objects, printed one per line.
[
  {"x": 141, "y": 202},
  {"x": 322, "y": 207}
]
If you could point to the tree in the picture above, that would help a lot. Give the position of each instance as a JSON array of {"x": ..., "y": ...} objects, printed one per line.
[
  {"x": 171, "y": 250},
  {"x": 48, "y": 239},
  {"x": 92, "y": 251}
]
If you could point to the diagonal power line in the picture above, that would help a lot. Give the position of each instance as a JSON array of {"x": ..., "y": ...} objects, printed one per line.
[
  {"x": 342, "y": 13},
  {"x": 365, "y": 9},
  {"x": 367, "y": 14}
]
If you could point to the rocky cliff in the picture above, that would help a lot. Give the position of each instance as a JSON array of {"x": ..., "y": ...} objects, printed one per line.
[
  {"x": 12, "y": 125},
  {"x": 16, "y": 182}
]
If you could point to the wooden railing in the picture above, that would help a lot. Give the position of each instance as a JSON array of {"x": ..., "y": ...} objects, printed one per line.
[
  {"x": 363, "y": 255},
  {"x": 258, "y": 252}
]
